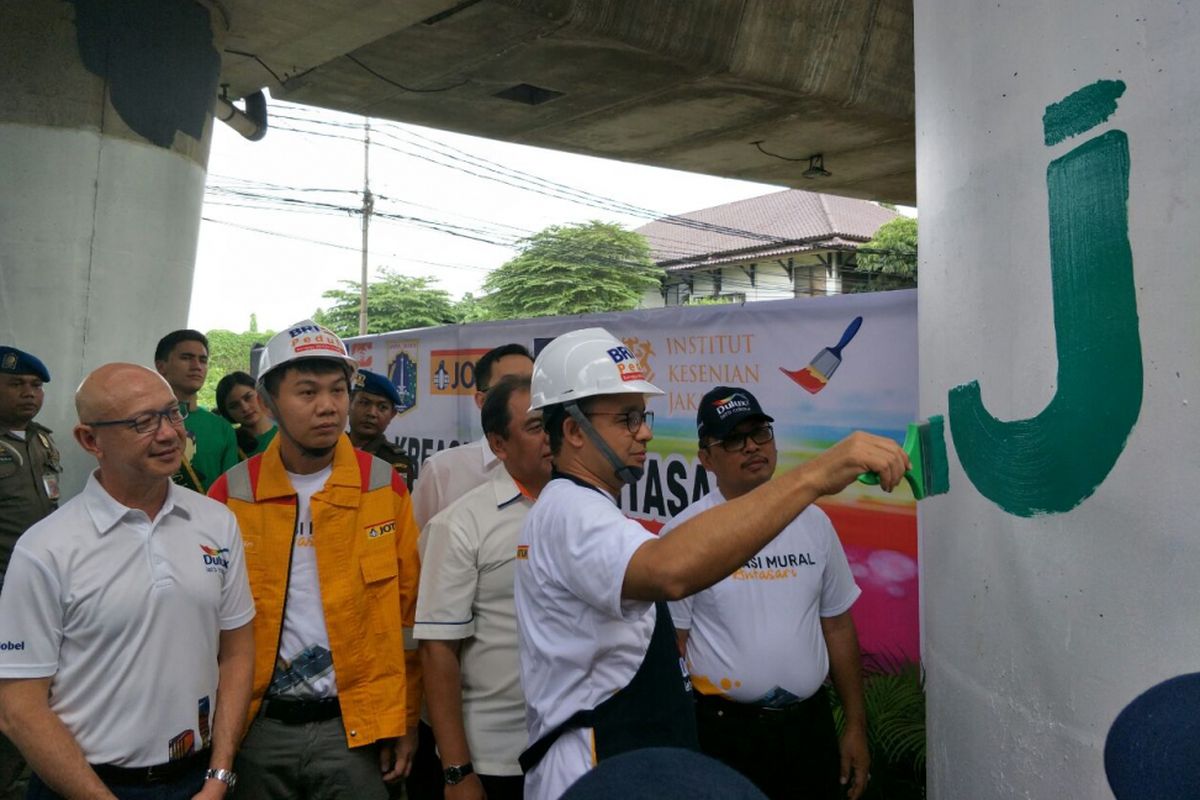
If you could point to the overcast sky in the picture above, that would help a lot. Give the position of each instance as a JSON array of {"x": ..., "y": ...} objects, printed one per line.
[{"x": 267, "y": 259}]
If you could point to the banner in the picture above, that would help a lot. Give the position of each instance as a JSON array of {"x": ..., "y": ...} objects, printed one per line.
[{"x": 689, "y": 350}]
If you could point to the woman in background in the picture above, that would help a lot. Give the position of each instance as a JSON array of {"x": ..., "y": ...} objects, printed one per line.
[{"x": 237, "y": 401}]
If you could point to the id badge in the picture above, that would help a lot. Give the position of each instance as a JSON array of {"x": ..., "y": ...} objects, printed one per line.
[{"x": 51, "y": 482}]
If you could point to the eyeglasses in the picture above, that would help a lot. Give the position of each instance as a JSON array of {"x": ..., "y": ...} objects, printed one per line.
[
  {"x": 633, "y": 419},
  {"x": 148, "y": 422},
  {"x": 737, "y": 442}
]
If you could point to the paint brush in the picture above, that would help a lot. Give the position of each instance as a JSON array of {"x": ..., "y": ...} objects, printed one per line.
[
  {"x": 925, "y": 444},
  {"x": 814, "y": 377}
]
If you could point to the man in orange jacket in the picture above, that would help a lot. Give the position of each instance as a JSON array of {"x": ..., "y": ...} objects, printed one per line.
[{"x": 331, "y": 554}]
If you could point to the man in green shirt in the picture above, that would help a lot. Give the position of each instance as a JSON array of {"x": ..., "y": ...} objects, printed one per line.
[{"x": 211, "y": 448}]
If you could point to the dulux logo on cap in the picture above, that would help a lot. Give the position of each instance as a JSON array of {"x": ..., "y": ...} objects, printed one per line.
[{"x": 731, "y": 404}]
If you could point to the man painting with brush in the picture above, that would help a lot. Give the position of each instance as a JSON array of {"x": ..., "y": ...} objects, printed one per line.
[{"x": 601, "y": 672}]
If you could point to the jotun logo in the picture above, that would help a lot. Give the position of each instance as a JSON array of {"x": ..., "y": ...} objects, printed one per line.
[
  {"x": 215, "y": 559},
  {"x": 452, "y": 372},
  {"x": 380, "y": 529}
]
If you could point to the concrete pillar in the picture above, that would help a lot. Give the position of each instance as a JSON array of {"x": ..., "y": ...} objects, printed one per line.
[
  {"x": 1058, "y": 155},
  {"x": 104, "y": 135}
]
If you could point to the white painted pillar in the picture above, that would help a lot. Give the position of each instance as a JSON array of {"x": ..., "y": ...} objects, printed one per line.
[
  {"x": 1058, "y": 575},
  {"x": 104, "y": 135}
]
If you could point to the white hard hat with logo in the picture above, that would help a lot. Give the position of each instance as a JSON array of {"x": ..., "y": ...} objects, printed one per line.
[
  {"x": 586, "y": 363},
  {"x": 304, "y": 339}
]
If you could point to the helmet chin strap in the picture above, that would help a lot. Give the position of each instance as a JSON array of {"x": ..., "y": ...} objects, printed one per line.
[
  {"x": 307, "y": 452},
  {"x": 624, "y": 472}
]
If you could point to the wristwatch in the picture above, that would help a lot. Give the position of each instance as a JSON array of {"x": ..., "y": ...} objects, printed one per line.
[
  {"x": 223, "y": 775},
  {"x": 455, "y": 773}
]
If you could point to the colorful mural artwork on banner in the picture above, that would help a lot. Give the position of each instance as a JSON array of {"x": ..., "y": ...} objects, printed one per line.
[{"x": 686, "y": 352}]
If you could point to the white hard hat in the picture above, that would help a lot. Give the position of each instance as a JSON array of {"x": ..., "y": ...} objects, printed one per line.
[
  {"x": 585, "y": 363},
  {"x": 304, "y": 339}
]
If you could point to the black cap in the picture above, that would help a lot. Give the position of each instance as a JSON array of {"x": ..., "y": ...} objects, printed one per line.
[
  {"x": 374, "y": 383},
  {"x": 722, "y": 408},
  {"x": 18, "y": 362}
]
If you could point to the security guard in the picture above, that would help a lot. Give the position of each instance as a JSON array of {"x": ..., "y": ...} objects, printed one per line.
[
  {"x": 29, "y": 462},
  {"x": 599, "y": 665},
  {"x": 29, "y": 472},
  {"x": 372, "y": 408}
]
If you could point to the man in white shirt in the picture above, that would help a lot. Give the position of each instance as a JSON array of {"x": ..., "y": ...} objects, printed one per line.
[
  {"x": 448, "y": 475},
  {"x": 760, "y": 643},
  {"x": 599, "y": 664},
  {"x": 127, "y": 615},
  {"x": 466, "y": 620},
  {"x": 442, "y": 479}
]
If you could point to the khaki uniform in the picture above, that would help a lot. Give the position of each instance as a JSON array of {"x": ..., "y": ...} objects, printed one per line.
[
  {"x": 381, "y": 448},
  {"x": 29, "y": 474}
]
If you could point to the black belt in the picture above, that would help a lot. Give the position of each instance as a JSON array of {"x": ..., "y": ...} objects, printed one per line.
[
  {"x": 300, "y": 712},
  {"x": 159, "y": 773},
  {"x": 723, "y": 705}
]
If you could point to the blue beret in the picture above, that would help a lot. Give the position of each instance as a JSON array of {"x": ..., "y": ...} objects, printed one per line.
[
  {"x": 18, "y": 362},
  {"x": 374, "y": 383}
]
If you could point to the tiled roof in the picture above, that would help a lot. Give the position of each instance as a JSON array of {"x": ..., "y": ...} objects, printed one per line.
[{"x": 771, "y": 225}]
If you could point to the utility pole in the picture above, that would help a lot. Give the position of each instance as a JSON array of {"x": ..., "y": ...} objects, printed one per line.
[{"x": 367, "y": 207}]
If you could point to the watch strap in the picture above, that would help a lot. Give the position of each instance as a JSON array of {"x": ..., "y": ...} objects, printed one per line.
[
  {"x": 225, "y": 776},
  {"x": 455, "y": 773}
]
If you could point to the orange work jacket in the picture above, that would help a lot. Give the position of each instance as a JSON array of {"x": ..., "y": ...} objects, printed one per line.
[{"x": 366, "y": 545}]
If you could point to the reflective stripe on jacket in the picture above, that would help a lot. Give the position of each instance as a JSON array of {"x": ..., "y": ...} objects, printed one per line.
[{"x": 366, "y": 545}]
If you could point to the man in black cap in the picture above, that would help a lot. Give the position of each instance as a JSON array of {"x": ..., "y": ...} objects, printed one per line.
[
  {"x": 373, "y": 405},
  {"x": 761, "y": 642},
  {"x": 29, "y": 472}
]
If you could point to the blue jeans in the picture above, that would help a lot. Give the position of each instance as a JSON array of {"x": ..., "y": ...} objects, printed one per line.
[{"x": 182, "y": 788}]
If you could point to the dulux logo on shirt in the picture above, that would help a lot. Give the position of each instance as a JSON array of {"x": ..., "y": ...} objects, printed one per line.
[{"x": 215, "y": 558}]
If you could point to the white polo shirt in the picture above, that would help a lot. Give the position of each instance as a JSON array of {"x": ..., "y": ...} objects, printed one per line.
[
  {"x": 467, "y": 594},
  {"x": 447, "y": 476},
  {"x": 125, "y": 612},
  {"x": 579, "y": 641},
  {"x": 755, "y": 637}
]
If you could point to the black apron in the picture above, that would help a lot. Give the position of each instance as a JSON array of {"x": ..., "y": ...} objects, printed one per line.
[{"x": 655, "y": 710}]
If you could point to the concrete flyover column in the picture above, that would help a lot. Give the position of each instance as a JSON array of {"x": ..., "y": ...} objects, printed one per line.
[
  {"x": 104, "y": 135},
  {"x": 1058, "y": 153}
]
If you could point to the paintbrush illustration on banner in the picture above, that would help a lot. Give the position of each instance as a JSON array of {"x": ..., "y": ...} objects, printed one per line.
[
  {"x": 925, "y": 444},
  {"x": 816, "y": 375}
]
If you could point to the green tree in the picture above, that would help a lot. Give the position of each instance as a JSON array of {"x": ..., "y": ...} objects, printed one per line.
[
  {"x": 472, "y": 309},
  {"x": 572, "y": 269},
  {"x": 228, "y": 352},
  {"x": 893, "y": 249},
  {"x": 394, "y": 303}
]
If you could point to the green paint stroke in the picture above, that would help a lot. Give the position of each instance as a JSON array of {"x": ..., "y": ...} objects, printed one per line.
[
  {"x": 1054, "y": 461},
  {"x": 1081, "y": 111}
]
